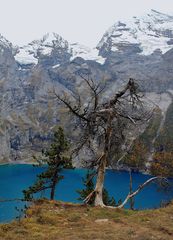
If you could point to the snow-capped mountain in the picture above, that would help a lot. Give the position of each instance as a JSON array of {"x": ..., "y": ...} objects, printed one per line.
[
  {"x": 30, "y": 53},
  {"x": 143, "y": 35},
  {"x": 51, "y": 45},
  {"x": 141, "y": 48},
  {"x": 151, "y": 32}
]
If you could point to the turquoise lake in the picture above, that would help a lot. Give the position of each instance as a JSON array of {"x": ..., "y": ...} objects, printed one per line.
[{"x": 15, "y": 178}]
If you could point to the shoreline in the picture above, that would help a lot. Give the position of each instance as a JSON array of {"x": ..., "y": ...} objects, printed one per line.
[
  {"x": 17, "y": 163},
  {"x": 121, "y": 169}
]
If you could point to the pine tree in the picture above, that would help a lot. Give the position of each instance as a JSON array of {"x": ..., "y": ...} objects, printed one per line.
[
  {"x": 56, "y": 159},
  {"x": 89, "y": 187}
]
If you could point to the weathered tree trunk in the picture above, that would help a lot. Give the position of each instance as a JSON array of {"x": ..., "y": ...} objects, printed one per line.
[
  {"x": 52, "y": 193},
  {"x": 100, "y": 182},
  {"x": 102, "y": 166},
  {"x": 54, "y": 182}
]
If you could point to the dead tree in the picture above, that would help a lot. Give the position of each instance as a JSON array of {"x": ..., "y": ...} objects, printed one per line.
[
  {"x": 131, "y": 195},
  {"x": 97, "y": 117}
]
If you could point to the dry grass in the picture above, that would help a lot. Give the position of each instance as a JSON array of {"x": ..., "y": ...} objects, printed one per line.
[{"x": 61, "y": 221}]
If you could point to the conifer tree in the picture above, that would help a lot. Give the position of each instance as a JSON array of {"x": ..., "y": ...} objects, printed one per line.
[
  {"x": 89, "y": 187},
  {"x": 56, "y": 159}
]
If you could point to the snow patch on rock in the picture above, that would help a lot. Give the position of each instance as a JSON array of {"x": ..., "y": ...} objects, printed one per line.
[
  {"x": 25, "y": 56},
  {"x": 56, "y": 66},
  {"x": 86, "y": 53}
]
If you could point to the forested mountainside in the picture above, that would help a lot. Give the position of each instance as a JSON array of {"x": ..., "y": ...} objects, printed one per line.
[{"x": 141, "y": 48}]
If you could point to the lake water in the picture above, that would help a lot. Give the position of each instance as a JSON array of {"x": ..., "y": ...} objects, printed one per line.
[{"x": 15, "y": 178}]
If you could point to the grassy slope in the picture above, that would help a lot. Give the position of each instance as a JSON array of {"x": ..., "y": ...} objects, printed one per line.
[{"x": 54, "y": 221}]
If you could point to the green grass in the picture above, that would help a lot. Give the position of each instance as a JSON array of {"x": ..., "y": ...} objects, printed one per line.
[{"x": 65, "y": 221}]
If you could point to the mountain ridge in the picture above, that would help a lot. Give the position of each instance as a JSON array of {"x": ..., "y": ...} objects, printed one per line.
[{"x": 146, "y": 34}]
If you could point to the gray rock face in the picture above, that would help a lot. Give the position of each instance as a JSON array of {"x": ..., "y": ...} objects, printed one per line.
[{"x": 141, "y": 48}]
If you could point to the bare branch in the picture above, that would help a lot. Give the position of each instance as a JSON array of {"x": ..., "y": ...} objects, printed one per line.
[
  {"x": 95, "y": 88},
  {"x": 131, "y": 195},
  {"x": 74, "y": 110}
]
